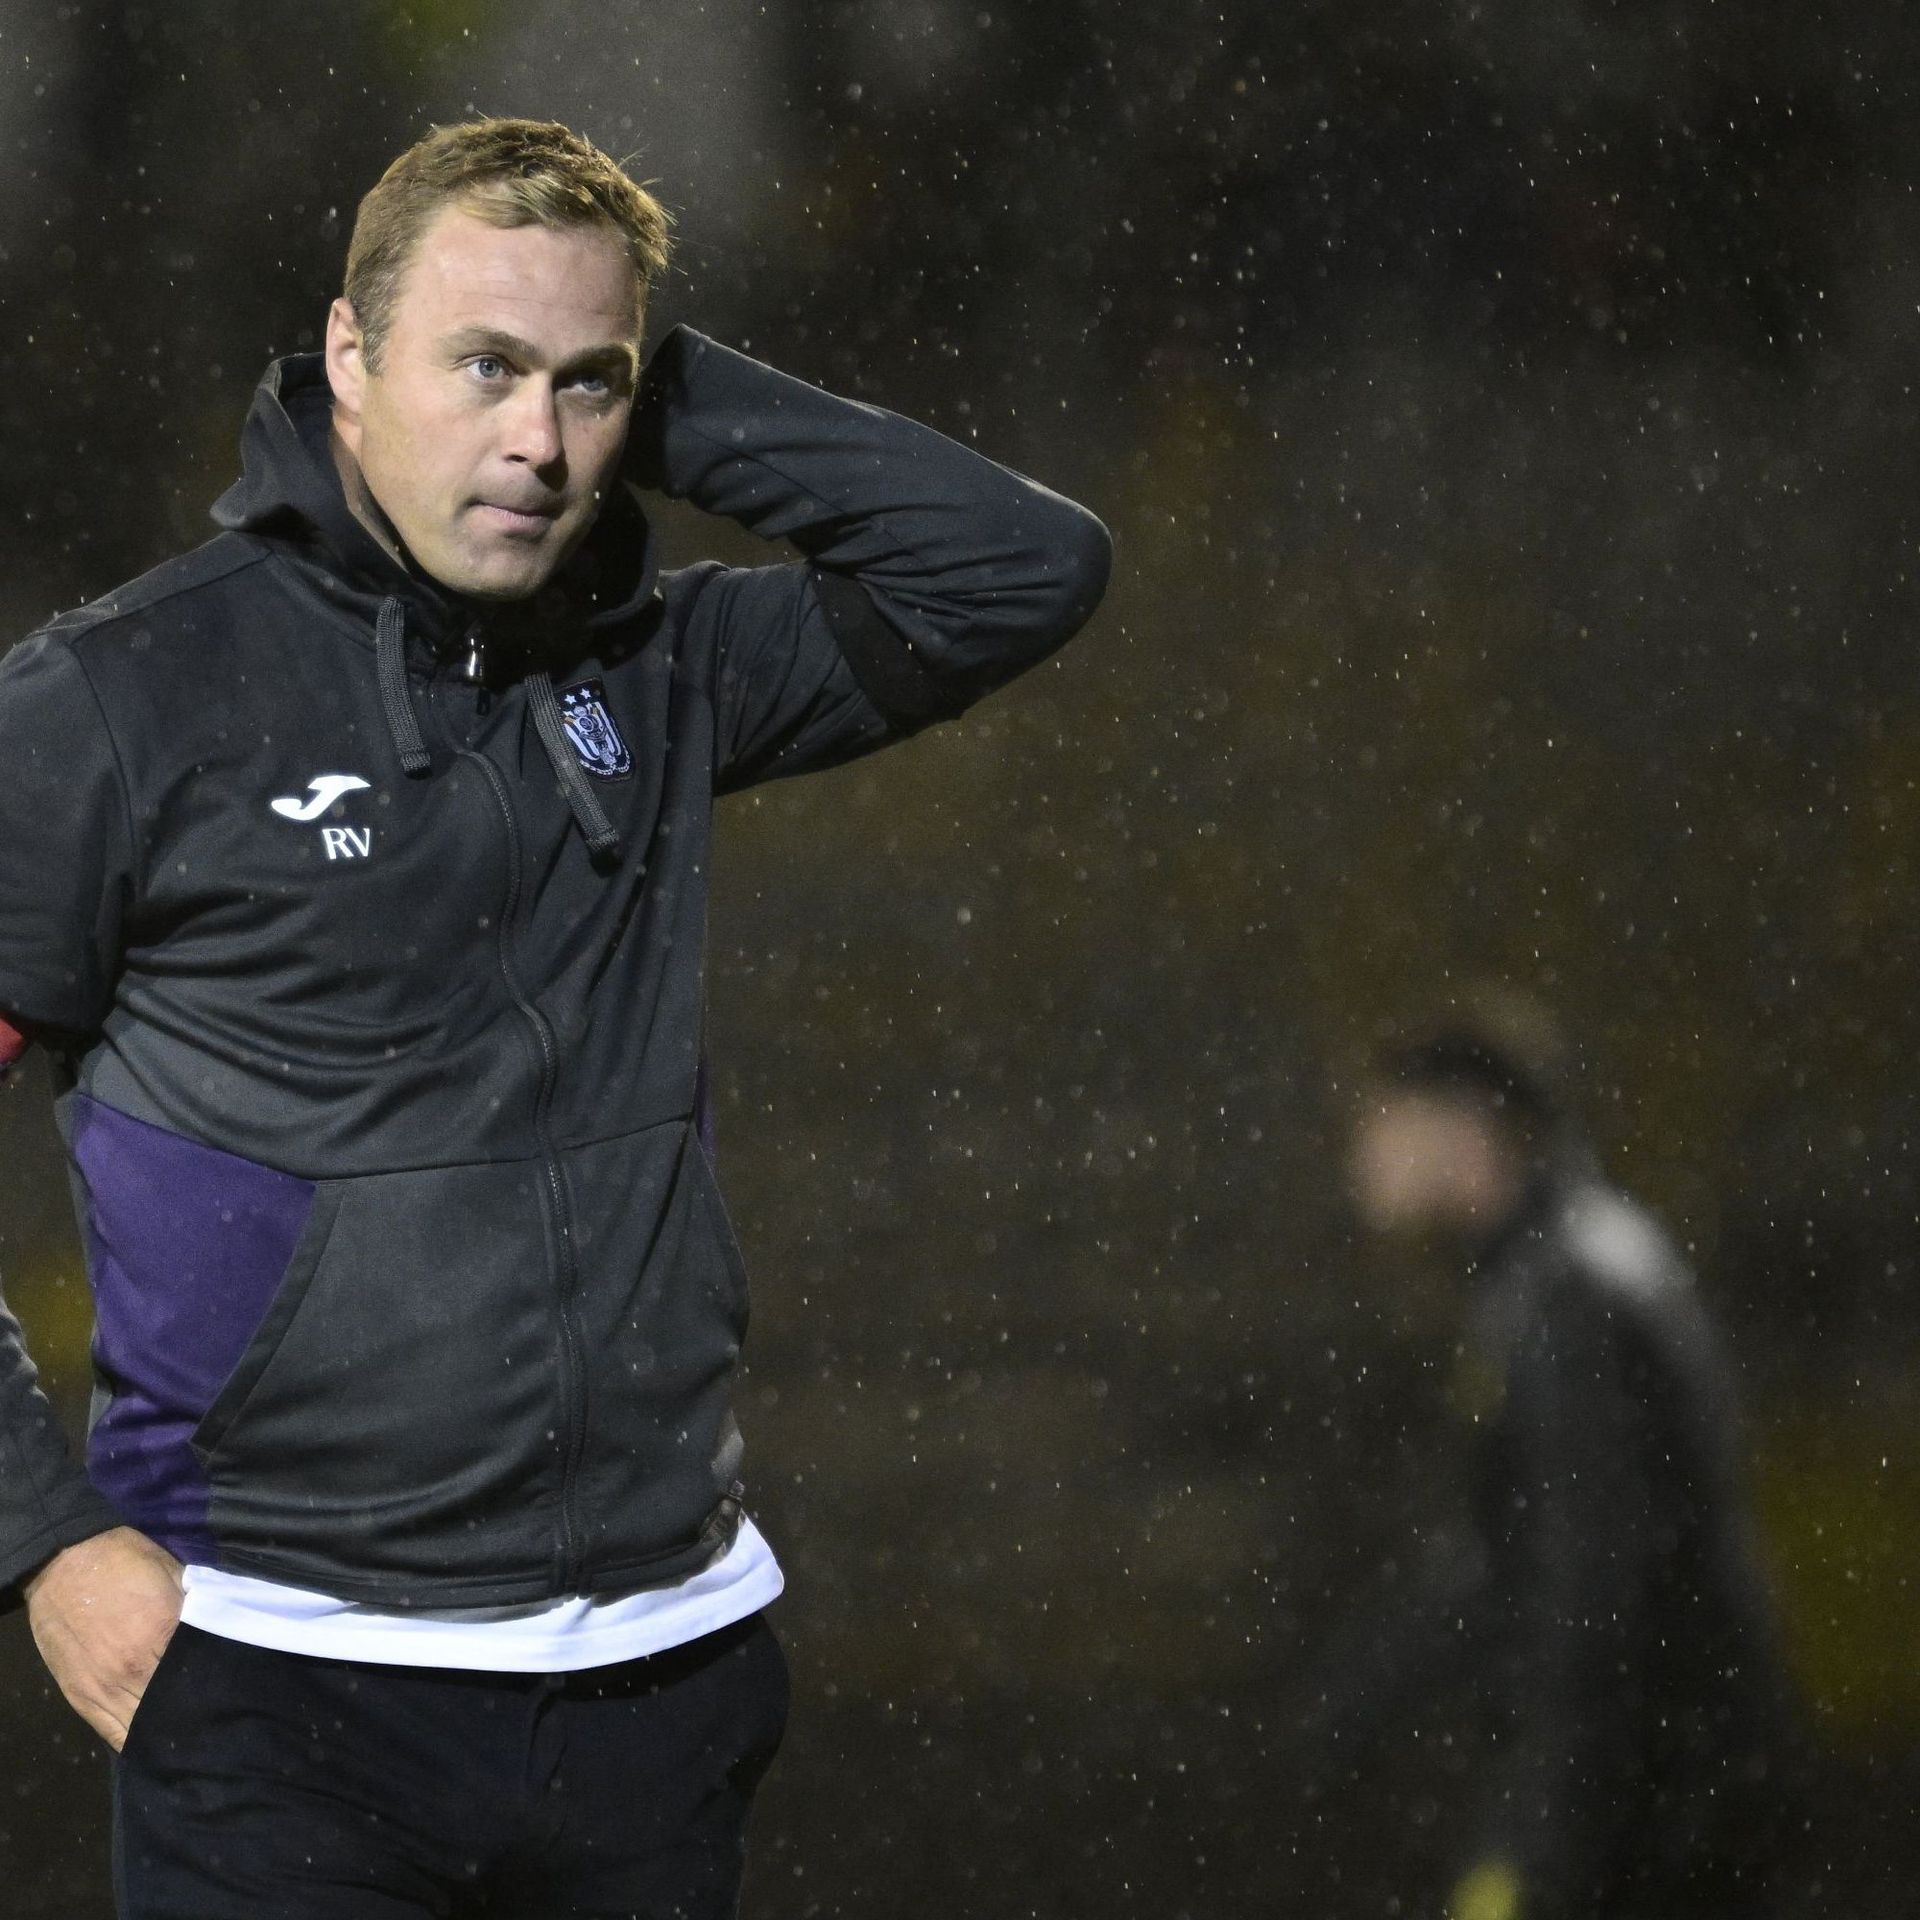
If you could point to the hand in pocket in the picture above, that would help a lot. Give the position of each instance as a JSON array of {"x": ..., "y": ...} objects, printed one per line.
[{"x": 102, "y": 1613}]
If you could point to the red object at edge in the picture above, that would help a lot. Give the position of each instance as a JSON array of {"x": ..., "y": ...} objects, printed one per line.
[{"x": 12, "y": 1046}]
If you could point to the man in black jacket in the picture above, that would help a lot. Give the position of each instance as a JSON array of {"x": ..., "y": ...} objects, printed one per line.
[
  {"x": 353, "y": 869},
  {"x": 1611, "y": 1614}
]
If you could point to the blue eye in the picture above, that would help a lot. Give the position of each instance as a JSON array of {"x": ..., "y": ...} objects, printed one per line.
[{"x": 487, "y": 366}]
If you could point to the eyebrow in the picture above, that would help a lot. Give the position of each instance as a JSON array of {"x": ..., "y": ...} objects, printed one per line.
[{"x": 467, "y": 340}]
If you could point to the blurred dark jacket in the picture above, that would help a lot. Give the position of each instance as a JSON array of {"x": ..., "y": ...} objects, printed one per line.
[
  {"x": 1620, "y": 1629},
  {"x": 1631, "y": 1728}
]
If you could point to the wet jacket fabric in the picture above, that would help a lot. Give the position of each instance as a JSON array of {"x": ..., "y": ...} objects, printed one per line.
[{"x": 367, "y": 930}]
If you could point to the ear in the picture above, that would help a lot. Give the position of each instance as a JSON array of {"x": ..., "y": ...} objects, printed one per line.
[{"x": 346, "y": 364}]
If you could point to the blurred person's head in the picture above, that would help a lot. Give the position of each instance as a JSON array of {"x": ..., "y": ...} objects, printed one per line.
[
  {"x": 1460, "y": 1118},
  {"x": 484, "y": 352}
]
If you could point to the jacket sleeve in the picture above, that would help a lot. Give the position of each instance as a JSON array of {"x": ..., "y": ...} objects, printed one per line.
[
  {"x": 933, "y": 575},
  {"x": 66, "y": 844},
  {"x": 1569, "y": 1573},
  {"x": 64, "y": 871},
  {"x": 46, "y": 1500}
]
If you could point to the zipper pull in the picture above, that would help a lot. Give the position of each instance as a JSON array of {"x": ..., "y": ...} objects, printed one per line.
[{"x": 474, "y": 669}]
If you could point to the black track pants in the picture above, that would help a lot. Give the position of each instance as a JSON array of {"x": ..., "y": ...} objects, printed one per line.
[{"x": 271, "y": 1786}]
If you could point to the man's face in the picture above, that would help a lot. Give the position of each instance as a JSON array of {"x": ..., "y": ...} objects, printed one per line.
[
  {"x": 498, "y": 411},
  {"x": 1422, "y": 1162}
]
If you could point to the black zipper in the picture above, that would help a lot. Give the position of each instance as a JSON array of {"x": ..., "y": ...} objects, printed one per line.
[{"x": 560, "y": 1212}]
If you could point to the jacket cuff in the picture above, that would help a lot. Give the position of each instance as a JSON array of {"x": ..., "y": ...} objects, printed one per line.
[{"x": 21, "y": 1558}]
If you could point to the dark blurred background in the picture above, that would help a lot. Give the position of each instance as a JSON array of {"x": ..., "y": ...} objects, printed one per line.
[{"x": 1505, "y": 412}]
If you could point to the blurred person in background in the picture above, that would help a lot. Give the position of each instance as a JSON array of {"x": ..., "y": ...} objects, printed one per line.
[
  {"x": 353, "y": 871},
  {"x": 1609, "y": 1610}
]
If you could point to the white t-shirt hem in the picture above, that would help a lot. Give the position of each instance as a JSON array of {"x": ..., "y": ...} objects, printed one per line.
[{"x": 559, "y": 1636}]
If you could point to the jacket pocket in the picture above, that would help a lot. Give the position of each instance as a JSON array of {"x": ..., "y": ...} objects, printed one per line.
[
  {"x": 663, "y": 1311},
  {"x": 308, "y": 1252},
  {"x": 394, "y": 1426},
  {"x": 151, "y": 1703}
]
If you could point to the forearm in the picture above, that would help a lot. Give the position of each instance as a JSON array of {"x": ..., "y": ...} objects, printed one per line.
[
  {"x": 1546, "y": 1797},
  {"x": 1575, "y": 1553},
  {"x": 1564, "y": 1688},
  {"x": 46, "y": 1500},
  {"x": 978, "y": 570}
]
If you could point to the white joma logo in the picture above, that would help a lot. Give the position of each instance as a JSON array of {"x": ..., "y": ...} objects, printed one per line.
[
  {"x": 324, "y": 791},
  {"x": 341, "y": 843}
]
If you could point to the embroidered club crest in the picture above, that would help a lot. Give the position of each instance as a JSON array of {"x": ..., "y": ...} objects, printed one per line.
[{"x": 583, "y": 711}]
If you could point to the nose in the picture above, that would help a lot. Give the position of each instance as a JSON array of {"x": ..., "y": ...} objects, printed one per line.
[{"x": 533, "y": 428}]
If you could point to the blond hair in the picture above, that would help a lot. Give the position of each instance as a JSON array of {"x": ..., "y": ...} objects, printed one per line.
[{"x": 510, "y": 173}]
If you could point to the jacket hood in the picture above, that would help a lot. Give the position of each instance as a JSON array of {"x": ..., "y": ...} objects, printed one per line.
[{"x": 289, "y": 493}]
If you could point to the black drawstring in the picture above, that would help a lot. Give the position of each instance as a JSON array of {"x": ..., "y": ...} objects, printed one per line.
[
  {"x": 603, "y": 838},
  {"x": 390, "y": 656},
  {"x": 390, "y": 659}
]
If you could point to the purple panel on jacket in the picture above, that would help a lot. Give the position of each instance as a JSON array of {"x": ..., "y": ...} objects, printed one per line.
[{"x": 186, "y": 1247}]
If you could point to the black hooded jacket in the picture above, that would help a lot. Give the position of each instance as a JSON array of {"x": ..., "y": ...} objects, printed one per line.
[{"x": 368, "y": 930}]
